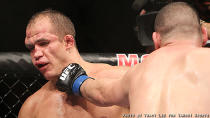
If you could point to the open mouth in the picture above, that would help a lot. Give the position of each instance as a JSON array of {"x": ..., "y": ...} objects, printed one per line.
[{"x": 41, "y": 65}]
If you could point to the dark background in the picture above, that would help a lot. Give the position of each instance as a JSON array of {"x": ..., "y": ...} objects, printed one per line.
[{"x": 101, "y": 25}]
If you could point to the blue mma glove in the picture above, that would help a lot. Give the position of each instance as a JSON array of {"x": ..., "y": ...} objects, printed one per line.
[{"x": 71, "y": 79}]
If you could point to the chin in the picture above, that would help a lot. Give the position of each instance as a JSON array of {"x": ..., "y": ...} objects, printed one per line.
[{"x": 50, "y": 76}]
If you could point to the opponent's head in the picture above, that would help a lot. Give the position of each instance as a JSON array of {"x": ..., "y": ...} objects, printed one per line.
[
  {"x": 177, "y": 20},
  {"x": 50, "y": 39}
]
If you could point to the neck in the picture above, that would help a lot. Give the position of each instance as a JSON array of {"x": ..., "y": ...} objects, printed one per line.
[
  {"x": 51, "y": 85},
  {"x": 181, "y": 41},
  {"x": 73, "y": 57}
]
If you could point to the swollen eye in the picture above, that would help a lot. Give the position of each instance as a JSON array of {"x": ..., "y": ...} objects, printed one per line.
[{"x": 43, "y": 43}]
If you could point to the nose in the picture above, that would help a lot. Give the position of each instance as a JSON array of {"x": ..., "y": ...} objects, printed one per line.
[{"x": 37, "y": 54}]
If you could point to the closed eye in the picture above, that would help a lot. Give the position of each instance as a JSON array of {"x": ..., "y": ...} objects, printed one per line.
[{"x": 43, "y": 43}]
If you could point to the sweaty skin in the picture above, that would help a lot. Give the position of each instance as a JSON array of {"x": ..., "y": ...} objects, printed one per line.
[
  {"x": 51, "y": 103},
  {"x": 171, "y": 80},
  {"x": 178, "y": 83},
  {"x": 50, "y": 55}
]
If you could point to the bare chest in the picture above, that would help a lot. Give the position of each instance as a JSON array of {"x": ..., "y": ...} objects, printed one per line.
[{"x": 57, "y": 107}]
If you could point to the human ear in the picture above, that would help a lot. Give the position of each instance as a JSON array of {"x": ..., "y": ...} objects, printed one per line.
[
  {"x": 204, "y": 35},
  {"x": 156, "y": 40},
  {"x": 69, "y": 41}
]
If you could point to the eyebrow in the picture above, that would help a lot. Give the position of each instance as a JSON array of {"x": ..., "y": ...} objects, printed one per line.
[
  {"x": 30, "y": 45},
  {"x": 41, "y": 40}
]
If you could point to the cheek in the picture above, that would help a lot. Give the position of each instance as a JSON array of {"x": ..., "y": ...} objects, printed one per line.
[
  {"x": 57, "y": 52},
  {"x": 57, "y": 59}
]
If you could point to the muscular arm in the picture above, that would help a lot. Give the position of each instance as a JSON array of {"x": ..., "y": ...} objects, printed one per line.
[{"x": 106, "y": 92}]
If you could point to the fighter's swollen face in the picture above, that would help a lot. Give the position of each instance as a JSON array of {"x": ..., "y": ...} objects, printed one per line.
[{"x": 47, "y": 51}]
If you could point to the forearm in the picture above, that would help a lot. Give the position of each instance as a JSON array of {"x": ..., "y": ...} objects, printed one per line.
[
  {"x": 96, "y": 92},
  {"x": 104, "y": 92}
]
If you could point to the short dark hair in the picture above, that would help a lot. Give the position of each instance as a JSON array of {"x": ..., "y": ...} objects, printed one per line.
[
  {"x": 61, "y": 23},
  {"x": 177, "y": 17}
]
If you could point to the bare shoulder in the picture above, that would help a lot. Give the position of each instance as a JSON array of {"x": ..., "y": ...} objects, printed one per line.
[
  {"x": 28, "y": 108},
  {"x": 202, "y": 55},
  {"x": 111, "y": 71}
]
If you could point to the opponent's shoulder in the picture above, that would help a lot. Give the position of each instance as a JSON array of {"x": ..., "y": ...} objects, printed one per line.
[
  {"x": 200, "y": 54},
  {"x": 205, "y": 51}
]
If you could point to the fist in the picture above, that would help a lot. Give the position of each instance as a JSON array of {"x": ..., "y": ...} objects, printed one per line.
[{"x": 71, "y": 79}]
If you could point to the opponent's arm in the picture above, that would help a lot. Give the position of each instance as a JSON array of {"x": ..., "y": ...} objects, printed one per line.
[{"x": 103, "y": 91}]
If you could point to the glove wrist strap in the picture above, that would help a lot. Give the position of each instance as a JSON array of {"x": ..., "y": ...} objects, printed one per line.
[{"x": 77, "y": 83}]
